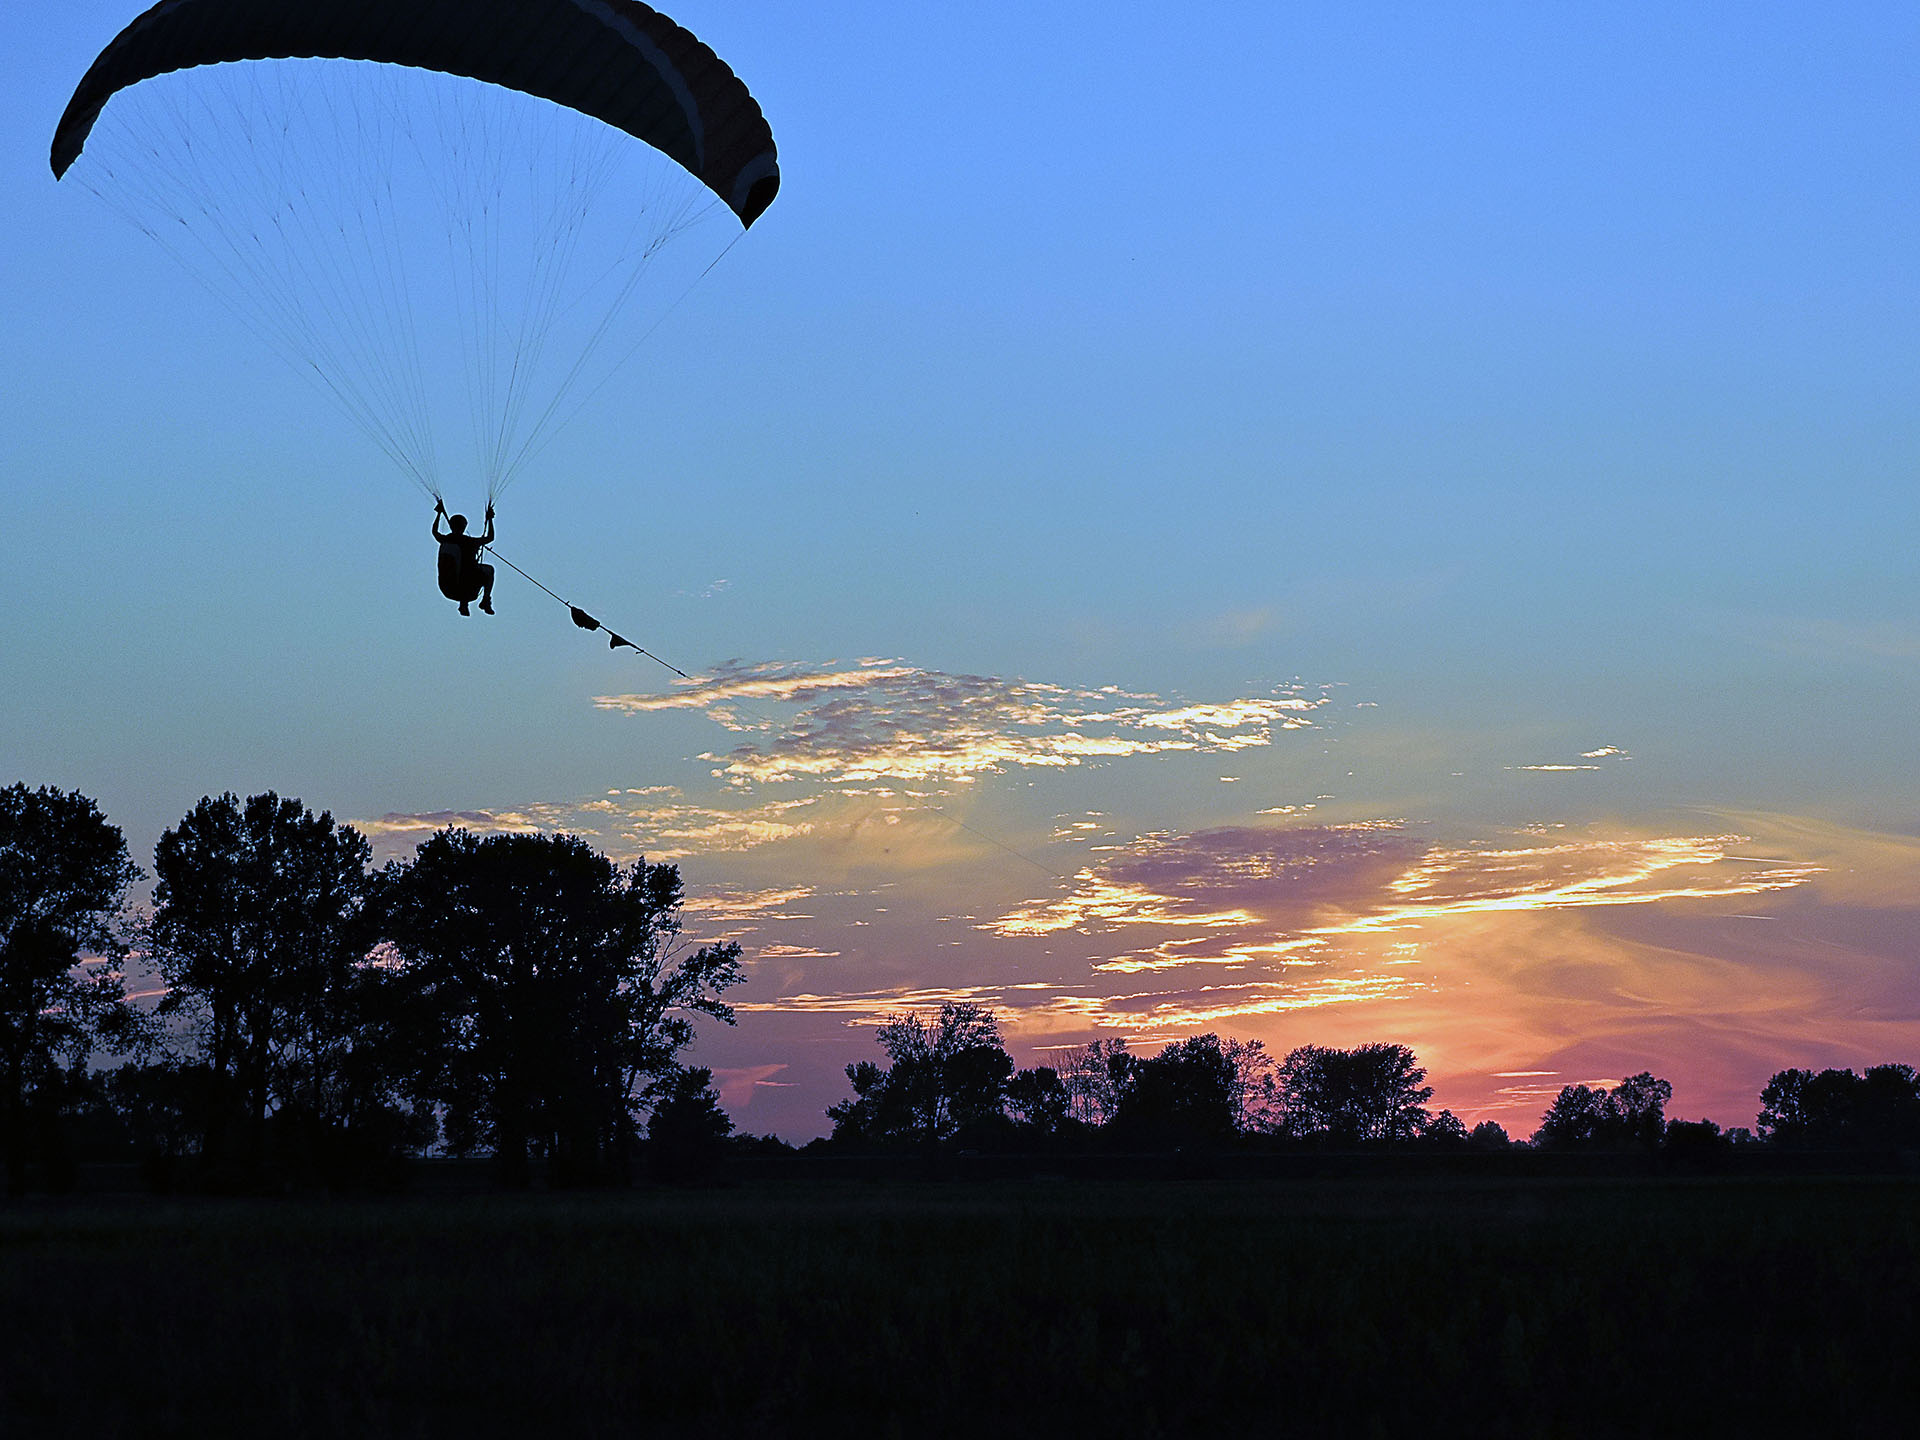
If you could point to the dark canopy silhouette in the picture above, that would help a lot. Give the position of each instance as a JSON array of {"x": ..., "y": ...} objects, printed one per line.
[
  {"x": 258, "y": 928},
  {"x": 1370, "y": 1094},
  {"x": 1182, "y": 1096},
  {"x": 564, "y": 988},
  {"x": 949, "y": 1071},
  {"x": 616, "y": 60},
  {"x": 64, "y": 873},
  {"x": 1631, "y": 1114}
]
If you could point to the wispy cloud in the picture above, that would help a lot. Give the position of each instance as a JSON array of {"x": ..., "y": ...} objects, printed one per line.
[
  {"x": 1241, "y": 895},
  {"x": 880, "y": 720},
  {"x": 839, "y": 767},
  {"x": 1589, "y": 760},
  {"x": 426, "y": 822},
  {"x": 872, "y": 1007},
  {"x": 395, "y": 835},
  {"x": 756, "y": 917},
  {"x": 1226, "y": 879}
]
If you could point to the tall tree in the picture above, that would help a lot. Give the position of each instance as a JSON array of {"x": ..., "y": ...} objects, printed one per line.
[
  {"x": 946, "y": 1073},
  {"x": 1370, "y": 1094},
  {"x": 64, "y": 873},
  {"x": 1256, "y": 1086},
  {"x": 1577, "y": 1118},
  {"x": 687, "y": 1132},
  {"x": 1098, "y": 1077},
  {"x": 257, "y": 928},
  {"x": 868, "y": 1118},
  {"x": 1838, "y": 1109},
  {"x": 1490, "y": 1135},
  {"x": 1094, "y": 1075},
  {"x": 1631, "y": 1114},
  {"x": 952, "y": 1071},
  {"x": 564, "y": 989},
  {"x": 1188, "y": 1094},
  {"x": 1039, "y": 1100},
  {"x": 1890, "y": 1106}
]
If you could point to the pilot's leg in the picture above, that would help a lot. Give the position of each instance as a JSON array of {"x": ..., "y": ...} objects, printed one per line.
[{"x": 486, "y": 589}]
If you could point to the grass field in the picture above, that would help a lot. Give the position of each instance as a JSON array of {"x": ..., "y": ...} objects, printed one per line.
[{"x": 1010, "y": 1309}]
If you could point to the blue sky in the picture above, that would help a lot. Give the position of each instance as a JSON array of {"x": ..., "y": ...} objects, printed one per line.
[{"x": 1507, "y": 382}]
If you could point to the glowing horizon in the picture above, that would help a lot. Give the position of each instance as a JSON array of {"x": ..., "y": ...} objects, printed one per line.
[{"x": 1559, "y": 950}]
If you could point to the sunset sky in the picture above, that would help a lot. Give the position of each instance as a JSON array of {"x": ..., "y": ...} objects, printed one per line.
[{"x": 1320, "y": 523}]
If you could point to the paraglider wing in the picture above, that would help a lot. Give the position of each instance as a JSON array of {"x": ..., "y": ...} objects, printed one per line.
[{"x": 615, "y": 60}]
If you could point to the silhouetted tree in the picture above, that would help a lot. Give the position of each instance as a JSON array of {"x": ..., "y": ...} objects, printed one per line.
[
  {"x": 1890, "y": 1105},
  {"x": 1804, "y": 1108},
  {"x": 563, "y": 988},
  {"x": 358, "y": 1091},
  {"x": 77, "y": 1123},
  {"x": 64, "y": 873},
  {"x": 1039, "y": 1100},
  {"x": 1489, "y": 1135},
  {"x": 257, "y": 929},
  {"x": 687, "y": 1132},
  {"x": 1631, "y": 1114},
  {"x": 1577, "y": 1117},
  {"x": 162, "y": 1108},
  {"x": 946, "y": 1074},
  {"x": 1641, "y": 1102},
  {"x": 1256, "y": 1086},
  {"x": 1444, "y": 1129},
  {"x": 867, "y": 1117},
  {"x": 760, "y": 1147},
  {"x": 1694, "y": 1143},
  {"x": 1837, "y": 1109},
  {"x": 1374, "y": 1093},
  {"x": 1188, "y": 1094},
  {"x": 1094, "y": 1074}
]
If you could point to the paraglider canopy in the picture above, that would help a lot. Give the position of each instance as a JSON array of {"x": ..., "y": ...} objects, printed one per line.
[
  {"x": 429, "y": 207},
  {"x": 616, "y": 60}
]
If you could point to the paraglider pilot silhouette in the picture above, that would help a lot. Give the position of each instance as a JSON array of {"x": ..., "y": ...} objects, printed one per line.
[{"x": 462, "y": 576}]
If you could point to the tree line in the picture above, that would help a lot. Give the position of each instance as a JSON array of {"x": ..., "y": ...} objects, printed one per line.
[
  {"x": 950, "y": 1083},
  {"x": 525, "y": 998},
  {"x": 520, "y": 996}
]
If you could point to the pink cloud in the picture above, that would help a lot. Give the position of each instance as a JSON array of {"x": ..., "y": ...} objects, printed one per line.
[{"x": 737, "y": 1084}]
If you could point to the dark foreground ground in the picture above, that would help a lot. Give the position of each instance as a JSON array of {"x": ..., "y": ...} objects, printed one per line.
[{"x": 1015, "y": 1308}]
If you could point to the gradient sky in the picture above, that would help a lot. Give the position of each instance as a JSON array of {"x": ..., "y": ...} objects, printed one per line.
[{"x": 1403, "y": 516}]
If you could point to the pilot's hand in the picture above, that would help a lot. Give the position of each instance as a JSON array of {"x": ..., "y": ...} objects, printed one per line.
[
  {"x": 489, "y": 512},
  {"x": 439, "y": 507}
]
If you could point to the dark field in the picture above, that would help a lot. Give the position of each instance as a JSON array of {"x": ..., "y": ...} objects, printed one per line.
[{"x": 1012, "y": 1308}]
